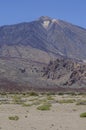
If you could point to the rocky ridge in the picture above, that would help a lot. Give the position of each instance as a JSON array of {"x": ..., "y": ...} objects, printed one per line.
[{"x": 67, "y": 72}]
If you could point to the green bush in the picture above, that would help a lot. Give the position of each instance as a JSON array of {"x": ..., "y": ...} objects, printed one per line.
[
  {"x": 17, "y": 99},
  {"x": 83, "y": 114},
  {"x": 15, "y": 118},
  {"x": 32, "y": 93},
  {"x": 60, "y": 93},
  {"x": 44, "y": 107}
]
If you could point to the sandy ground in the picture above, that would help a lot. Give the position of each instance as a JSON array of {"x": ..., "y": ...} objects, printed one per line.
[{"x": 65, "y": 116}]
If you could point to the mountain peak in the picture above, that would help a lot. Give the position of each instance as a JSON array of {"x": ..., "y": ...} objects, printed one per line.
[
  {"x": 45, "y": 18},
  {"x": 46, "y": 21}
]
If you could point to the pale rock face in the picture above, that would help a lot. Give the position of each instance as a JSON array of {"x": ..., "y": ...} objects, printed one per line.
[
  {"x": 54, "y": 21},
  {"x": 46, "y": 24}
]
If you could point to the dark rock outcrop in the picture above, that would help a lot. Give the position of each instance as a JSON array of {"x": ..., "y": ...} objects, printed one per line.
[{"x": 72, "y": 71}]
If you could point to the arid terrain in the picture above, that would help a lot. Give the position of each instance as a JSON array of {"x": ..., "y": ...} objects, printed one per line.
[
  {"x": 42, "y": 111},
  {"x": 43, "y": 76}
]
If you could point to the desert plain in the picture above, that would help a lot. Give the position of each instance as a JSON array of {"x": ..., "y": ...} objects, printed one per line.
[{"x": 42, "y": 111}]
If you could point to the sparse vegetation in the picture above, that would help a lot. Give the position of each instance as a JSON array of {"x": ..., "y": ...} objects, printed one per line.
[
  {"x": 43, "y": 104},
  {"x": 31, "y": 104},
  {"x": 83, "y": 102},
  {"x": 50, "y": 98},
  {"x": 17, "y": 99},
  {"x": 32, "y": 93},
  {"x": 26, "y": 105},
  {"x": 83, "y": 114},
  {"x": 15, "y": 118},
  {"x": 33, "y": 99},
  {"x": 44, "y": 107},
  {"x": 66, "y": 101},
  {"x": 60, "y": 93},
  {"x": 50, "y": 93},
  {"x": 3, "y": 93}
]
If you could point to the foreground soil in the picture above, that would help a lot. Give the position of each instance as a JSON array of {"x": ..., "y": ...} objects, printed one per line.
[{"x": 64, "y": 113}]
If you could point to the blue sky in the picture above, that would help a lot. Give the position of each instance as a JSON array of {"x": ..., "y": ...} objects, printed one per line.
[{"x": 16, "y": 11}]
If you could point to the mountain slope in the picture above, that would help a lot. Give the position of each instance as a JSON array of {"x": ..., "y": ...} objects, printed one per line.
[
  {"x": 46, "y": 34},
  {"x": 27, "y": 48}
]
